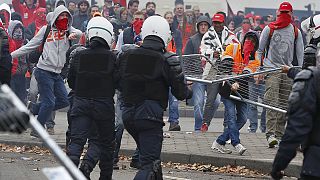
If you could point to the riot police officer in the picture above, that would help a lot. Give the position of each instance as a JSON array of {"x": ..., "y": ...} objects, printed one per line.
[
  {"x": 303, "y": 114},
  {"x": 92, "y": 80},
  {"x": 146, "y": 73}
]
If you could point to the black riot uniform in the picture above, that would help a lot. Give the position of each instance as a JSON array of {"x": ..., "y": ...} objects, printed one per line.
[
  {"x": 92, "y": 77},
  {"x": 303, "y": 126},
  {"x": 146, "y": 73}
]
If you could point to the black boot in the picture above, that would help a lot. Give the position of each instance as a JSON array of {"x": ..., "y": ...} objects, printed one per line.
[{"x": 86, "y": 170}]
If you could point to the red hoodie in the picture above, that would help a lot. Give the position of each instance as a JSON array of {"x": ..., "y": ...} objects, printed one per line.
[{"x": 27, "y": 14}]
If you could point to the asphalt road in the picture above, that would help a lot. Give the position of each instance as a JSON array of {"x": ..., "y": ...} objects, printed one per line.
[{"x": 27, "y": 166}]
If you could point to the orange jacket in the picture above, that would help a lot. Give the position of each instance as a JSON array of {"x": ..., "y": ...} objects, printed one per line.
[{"x": 234, "y": 51}]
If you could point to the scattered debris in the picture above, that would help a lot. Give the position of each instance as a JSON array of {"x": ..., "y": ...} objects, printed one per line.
[
  {"x": 24, "y": 149},
  {"x": 239, "y": 170}
]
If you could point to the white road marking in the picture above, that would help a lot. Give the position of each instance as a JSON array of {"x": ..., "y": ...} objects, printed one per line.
[{"x": 175, "y": 178}]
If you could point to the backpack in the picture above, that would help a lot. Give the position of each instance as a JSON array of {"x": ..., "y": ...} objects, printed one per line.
[{"x": 296, "y": 32}]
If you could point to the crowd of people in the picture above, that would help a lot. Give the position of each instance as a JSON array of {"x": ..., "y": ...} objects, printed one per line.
[{"x": 42, "y": 46}]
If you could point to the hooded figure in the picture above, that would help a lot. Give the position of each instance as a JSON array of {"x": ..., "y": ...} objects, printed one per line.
[
  {"x": 51, "y": 87},
  {"x": 5, "y": 12},
  {"x": 19, "y": 65},
  {"x": 27, "y": 10}
]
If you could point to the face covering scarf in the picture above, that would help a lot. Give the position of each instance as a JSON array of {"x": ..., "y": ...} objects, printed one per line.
[
  {"x": 283, "y": 20},
  {"x": 248, "y": 48},
  {"x": 137, "y": 25},
  {"x": 62, "y": 24}
]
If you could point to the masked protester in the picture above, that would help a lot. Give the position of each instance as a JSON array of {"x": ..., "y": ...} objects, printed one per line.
[
  {"x": 237, "y": 59},
  {"x": 27, "y": 9},
  {"x": 19, "y": 65},
  {"x": 52, "y": 91},
  {"x": 145, "y": 94},
  {"x": 281, "y": 44},
  {"x": 39, "y": 22},
  {"x": 245, "y": 27},
  {"x": 131, "y": 35}
]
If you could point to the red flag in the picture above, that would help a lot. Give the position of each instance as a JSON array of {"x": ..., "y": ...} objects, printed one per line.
[
  {"x": 122, "y": 2},
  {"x": 230, "y": 12}
]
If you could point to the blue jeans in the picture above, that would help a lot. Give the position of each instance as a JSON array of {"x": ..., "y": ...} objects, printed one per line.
[
  {"x": 198, "y": 102},
  {"x": 19, "y": 86},
  {"x": 256, "y": 91},
  {"x": 235, "y": 116},
  {"x": 53, "y": 94},
  {"x": 173, "y": 108}
]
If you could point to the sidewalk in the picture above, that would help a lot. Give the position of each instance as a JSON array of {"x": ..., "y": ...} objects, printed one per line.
[{"x": 184, "y": 147}]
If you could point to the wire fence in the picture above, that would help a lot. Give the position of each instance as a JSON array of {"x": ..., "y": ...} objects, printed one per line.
[{"x": 273, "y": 88}]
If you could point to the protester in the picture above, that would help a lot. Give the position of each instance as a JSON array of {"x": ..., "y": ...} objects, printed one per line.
[
  {"x": 133, "y": 6},
  {"x": 213, "y": 45},
  {"x": 72, "y": 7},
  {"x": 245, "y": 27},
  {"x": 5, "y": 57},
  {"x": 19, "y": 65},
  {"x": 120, "y": 22},
  {"x": 107, "y": 9},
  {"x": 52, "y": 91},
  {"x": 286, "y": 49},
  {"x": 237, "y": 59},
  {"x": 5, "y": 15},
  {"x": 150, "y": 9},
  {"x": 174, "y": 46},
  {"x": 81, "y": 16},
  {"x": 39, "y": 22},
  {"x": 26, "y": 8}
]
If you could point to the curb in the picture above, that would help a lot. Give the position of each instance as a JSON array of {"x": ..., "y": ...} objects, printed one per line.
[{"x": 260, "y": 165}]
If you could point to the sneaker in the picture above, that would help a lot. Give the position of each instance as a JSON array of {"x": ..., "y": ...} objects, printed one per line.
[
  {"x": 240, "y": 148},
  {"x": 50, "y": 131},
  {"x": 135, "y": 164},
  {"x": 34, "y": 134},
  {"x": 272, "y": 141},
  {"x": 174, "y": 127},
  {"x": 204, "y": 127},
  {"x": 220, "y": 148}
]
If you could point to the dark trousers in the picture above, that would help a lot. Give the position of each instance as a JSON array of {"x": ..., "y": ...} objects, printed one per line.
[
  {"x": 84, "y": 115},
  {"x": 148, "y": 136}
]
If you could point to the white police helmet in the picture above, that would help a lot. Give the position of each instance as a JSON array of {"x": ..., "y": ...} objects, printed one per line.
[
  {"x": 156, "y": 26},
  {"x": 100, "y": 27}
]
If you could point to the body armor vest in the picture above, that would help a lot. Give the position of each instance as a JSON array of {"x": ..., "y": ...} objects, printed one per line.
[
  {"x": 95, "y": 75},
  {"x": 143, "y": 77}
]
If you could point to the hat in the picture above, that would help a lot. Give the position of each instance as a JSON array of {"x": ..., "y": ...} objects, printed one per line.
[
  {"x": 285, "y": 6},
  {"x": 218, "y": 18}
]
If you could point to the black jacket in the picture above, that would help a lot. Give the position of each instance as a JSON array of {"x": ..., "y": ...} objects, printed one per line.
[
  {"x": 5, "y": 59},
  {"x": 303, "y": 125},
  {"x": 171, "y": 76},
  {"x": 93, "y": 78}
]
